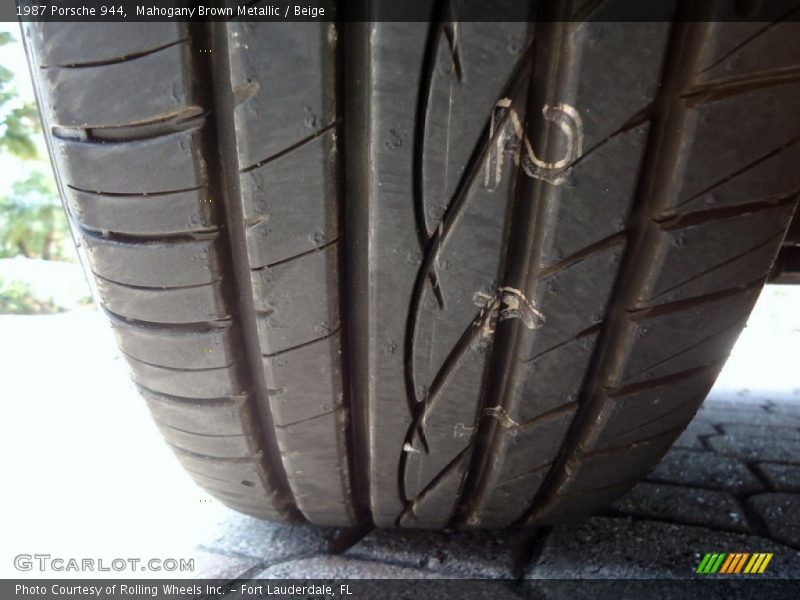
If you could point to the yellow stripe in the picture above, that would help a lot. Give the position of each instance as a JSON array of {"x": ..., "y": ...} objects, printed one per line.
[
  {"x": 740, "y": 564},
  {"x": 752, "y": 567},
  {"x": 765, "y": 563},
  {"x": 727, "y": 563},
  {"x": 753, "y": 564}
]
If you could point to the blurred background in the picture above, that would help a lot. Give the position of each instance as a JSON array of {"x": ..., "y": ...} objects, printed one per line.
[
  {"x": 85, "y": 470},
  {"x": 38, "y": 273}
]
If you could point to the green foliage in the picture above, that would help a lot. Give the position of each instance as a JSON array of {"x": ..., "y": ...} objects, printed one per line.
[
  {"x": 32, "y": 222},
  {"x": 17, "y": 297},
  {"x": 19, "y": 121}
]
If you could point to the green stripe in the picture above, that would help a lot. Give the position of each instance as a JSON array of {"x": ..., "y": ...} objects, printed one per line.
[
  {"x": 701, "y": 566},
  {"x": 711, "y": 561},
  {"x": 718, "y": 564}
]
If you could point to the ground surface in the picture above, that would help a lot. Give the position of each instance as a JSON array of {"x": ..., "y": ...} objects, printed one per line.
[
  {"x": 91, "y": 478},
  {"x": 732, "y": 483}
]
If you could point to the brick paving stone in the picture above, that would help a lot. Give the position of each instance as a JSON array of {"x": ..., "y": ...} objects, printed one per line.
[
  {"x": 785, "y": 403},
  {"x": 691, "y": 437},
  {"x": 210, "y": 565},
  {"x": 721, "y": 587},
  {"x": 750, "y": 430},
  {"x": 480, "y": 554},
  {"x": 270, "y": 542},
  {"x": 734, "y": 400},
  {"x": 604, "y": 547},
  {"x": 788, "y": 416},
  {"x": 340, "y": 567},
  {"x": 747, "y": 417},
  {"x": 785, "y": 408},
  {"x": 783, "y": 478},
  {"x": 710, "y": 508},
  {"x": 756, "y": 448},
  {"x": 367, "y": 579},
  {"x": 781, "y": 514},
  {"x": 706, "y": 470}
]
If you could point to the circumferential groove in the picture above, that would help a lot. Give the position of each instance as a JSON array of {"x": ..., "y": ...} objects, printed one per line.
[
  {"x": 220, "y": 146},
  {"x": 357, "y": 312},
  {"x": 529, "y": 221},
  {"x": 659, "y": 161}
]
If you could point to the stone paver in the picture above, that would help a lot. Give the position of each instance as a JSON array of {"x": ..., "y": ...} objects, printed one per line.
[
  {"x": 756, "y": 448},
  {"x": 785, "y": 406},
  {"x": 738, "y": 401},
  {"x": 783, "y": 478},
  {"x": 365, "y": 580},
  {"x": 711, "y": 508},
  {"x": 705, "y": 470},
  {"x": 693, "y": 434},
  {"x": 339, "y": 567},
  {"x": 602, "y": 547},
  {"x": 452, "y": 553},
  {"x": 768, "y": 431},
  {"x": 245, "y": 536},
  {"x": 211, "y": 565},
  {"x": 718, "y": 415},
  {"x": 661, "y": 589},
  {"x": 781, "y": 515}
]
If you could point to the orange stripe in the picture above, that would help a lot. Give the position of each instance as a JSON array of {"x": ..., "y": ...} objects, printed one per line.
[
  {"x": 740, "y": 564},
  {"x": 736, "y": 556},
  {"x": 732, "y": 557},
  {"x": 727, "y": 563}
]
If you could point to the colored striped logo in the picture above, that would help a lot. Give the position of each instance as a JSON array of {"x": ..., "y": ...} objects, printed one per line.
[{"x": 734, "y": 563}]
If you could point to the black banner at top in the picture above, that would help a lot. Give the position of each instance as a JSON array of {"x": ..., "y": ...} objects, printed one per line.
[{"x": 400, "y": 10}]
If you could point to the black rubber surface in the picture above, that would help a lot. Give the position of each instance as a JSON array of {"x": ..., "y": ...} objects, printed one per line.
[{"x": 444, "y": 274}]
